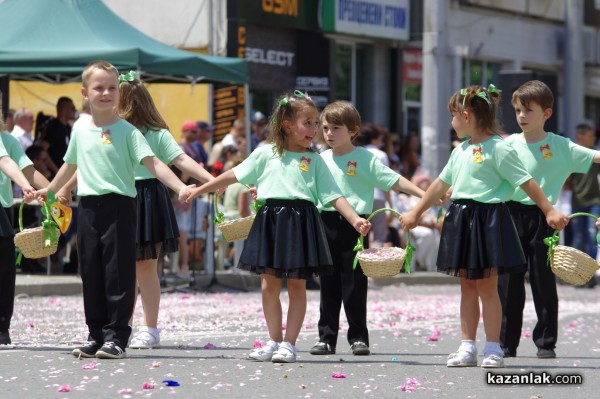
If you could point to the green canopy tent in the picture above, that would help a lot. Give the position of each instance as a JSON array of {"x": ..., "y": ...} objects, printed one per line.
[{"x": 53, "y": 41}]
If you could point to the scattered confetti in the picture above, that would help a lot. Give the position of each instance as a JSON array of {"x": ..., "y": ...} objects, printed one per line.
[
  {"x": 147, "y": 385},
  {"x": 64, "y": 388},
  {"x": 338, "y": 375},
  {"x": 90, "y": 366},
  {"x": 435, "y": 335},
  {"x": 171, "y": 383},
  {"x": 209, "y": 346}
]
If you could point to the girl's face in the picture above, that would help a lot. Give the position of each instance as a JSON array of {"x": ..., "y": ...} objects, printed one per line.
[
  {"x": 337, "y": 137},
  {"x": 460, "y": 124},
  {"x": 102, "y": 91},
  {"x": 301, "y": 131}
]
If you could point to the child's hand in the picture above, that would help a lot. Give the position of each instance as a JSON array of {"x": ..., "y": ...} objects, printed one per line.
[
  {"x": 41, "y": 195},
  {"x": 194, "y": 192},
  {"x": 185, "y": 193},
  {"x": 64, "y": 197},
  {"x": 556, "y": 219},
  {"x": 221, "y": 191},
  {"x": 362, "y": 226},
  {"x": 252, "y": 192},
  {"x": 409, "y": 220},
  {"x": 28, "y": 193}
]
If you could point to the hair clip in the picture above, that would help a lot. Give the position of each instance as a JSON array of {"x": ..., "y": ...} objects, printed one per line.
[{"x": 128, "y": 77}]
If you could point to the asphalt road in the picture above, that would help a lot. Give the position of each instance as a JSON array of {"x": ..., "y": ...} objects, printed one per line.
[{"x": 206, "y": 338}]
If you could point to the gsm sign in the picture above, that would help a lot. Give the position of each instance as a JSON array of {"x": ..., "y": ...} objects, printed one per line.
[{"x": 281, "y": 7}]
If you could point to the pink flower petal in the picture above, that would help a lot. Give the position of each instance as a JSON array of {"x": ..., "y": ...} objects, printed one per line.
[
  {"x": 258, "y": 344},
  {"x": 209, "y": 346},
  {"x": 64, "y": 388},
  {"x": 147, "y": 385},
  {"x": 90, "y": 366},
  {"x": 338, "y": 375}
]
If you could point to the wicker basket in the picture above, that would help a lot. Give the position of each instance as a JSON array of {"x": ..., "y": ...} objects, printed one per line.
[
  {"x": 569, "y": 264},
  {"x": 232, "y": 230},
  {"x": 383, "y": 262},
  {"x": 32, "y": 242}
]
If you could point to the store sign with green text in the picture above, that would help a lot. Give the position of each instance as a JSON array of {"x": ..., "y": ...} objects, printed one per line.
[{"x": 385, "y": 19}]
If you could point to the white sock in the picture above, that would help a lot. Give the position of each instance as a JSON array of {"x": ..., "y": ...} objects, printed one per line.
[
  {"x": 493, "y": 348},
  {"x": 467, "y": 345}
]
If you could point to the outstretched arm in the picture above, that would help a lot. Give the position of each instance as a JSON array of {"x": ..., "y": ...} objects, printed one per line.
[
  {"x": 410, "y": 219},
  {"x": 555, "y": 218},
  {"x": 406, "y": 186},
  {"x": 342, "y": 205},
  {"x": 187, "y": 165},
  {"x": 213, "y": 185},
  {"x": 34, "y": 177},
  {"x": 166, "y": 175}
]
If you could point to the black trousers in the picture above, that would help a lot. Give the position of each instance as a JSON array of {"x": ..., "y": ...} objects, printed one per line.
[
  {"x": 106, "y": 247},
  {"x": 8, "y": 275},
  {"x": 344, "y": 286},
  {"x": 532, "y": 228}
]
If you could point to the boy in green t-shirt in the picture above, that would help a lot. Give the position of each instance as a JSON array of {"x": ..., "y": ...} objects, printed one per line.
[
  {"x": 550, "y": 159},
  {"x": 104, "y": 155}
]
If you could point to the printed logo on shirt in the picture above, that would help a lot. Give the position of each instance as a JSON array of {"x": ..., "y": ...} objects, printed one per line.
[
  {"x": 545, "y": 150},
  {"x": 478, "y": 155},
  {"x": 105, "y": 136},
  {"x": 304, "y": 164},
  {"x": 351, "y": 171}
]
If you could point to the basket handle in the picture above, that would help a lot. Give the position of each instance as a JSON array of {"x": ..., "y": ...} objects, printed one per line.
[
  {"x": 552, "y": 241},
  {"x": 220, "y": 217},
  {"x": 409, "y": 247}
]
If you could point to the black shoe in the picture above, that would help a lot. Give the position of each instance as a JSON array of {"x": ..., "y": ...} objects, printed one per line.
[
  {"x": 509, "y": 352},
  {"x": 111, "y": 350},
  {"x": 4, "y": 338},
  {"x": 87, "y": 350},
  {"x": 360, "y": 349},
  {"x": 321, "y": 348},
  {"x": 544, "y": 353}
]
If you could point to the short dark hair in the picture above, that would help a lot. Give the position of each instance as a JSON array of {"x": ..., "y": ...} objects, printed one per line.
[{"x": 534, "y": 91}]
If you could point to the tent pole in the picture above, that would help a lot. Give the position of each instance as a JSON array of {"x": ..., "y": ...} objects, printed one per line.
[{"x": 247, "y": 112}]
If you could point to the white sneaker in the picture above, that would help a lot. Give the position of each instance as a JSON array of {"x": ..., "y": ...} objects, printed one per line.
[
  {"x": 493, "y": 361},
  {"x": 462, "y": 359},
  {"x": 146, "y": 338},
  {"x": 285, "y": 354},
  {"x": 265, "y": 353}
]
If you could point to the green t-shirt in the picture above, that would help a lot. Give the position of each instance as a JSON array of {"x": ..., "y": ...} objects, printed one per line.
[
  {"x": 550, "y": 162},
  {"x": 106, "y": 157},
  {"x": 487, "y": 172},
  {"x": 358, "y": 174},
  {"x": 295, "y": 175},
  {"x": 10, "y": 146},
  {"x": 165, "y": 148}
]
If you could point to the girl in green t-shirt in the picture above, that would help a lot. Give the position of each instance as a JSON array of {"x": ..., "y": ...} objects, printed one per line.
[
  {"x": 287, "y": 239},
  {"x": 479, "y": 240}
]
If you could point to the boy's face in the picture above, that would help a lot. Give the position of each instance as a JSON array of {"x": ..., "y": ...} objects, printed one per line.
[
  {"x": 338, "y": 137},
  {"x": 102, "y": 90},
  {"x": 531, "y": 118}
]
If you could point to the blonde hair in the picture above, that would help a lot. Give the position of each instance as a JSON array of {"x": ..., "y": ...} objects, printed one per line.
[
  {"x": 95, "y": 65},
  {"x": 137, "y": 107},
  {"x": 483, "y": 104},
  {"x": 285, "y": 109}
]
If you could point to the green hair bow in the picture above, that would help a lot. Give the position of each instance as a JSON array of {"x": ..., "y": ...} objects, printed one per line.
[
  {"x": 291, "y": 99},
  {"x": 482, "y": 94},
  {"x": 128, "y": 77}
]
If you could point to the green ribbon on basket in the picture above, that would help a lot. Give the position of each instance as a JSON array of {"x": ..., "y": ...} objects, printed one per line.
[
  {"x": 553, "y": 240},
  {"x": 409, "y": 247}
]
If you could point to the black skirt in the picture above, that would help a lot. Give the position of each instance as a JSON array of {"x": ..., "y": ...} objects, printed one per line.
[
  {"x": 287, "y": 239},
  {"x": 156, "y": 221},
  {"x": 479, "y": 240}
]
